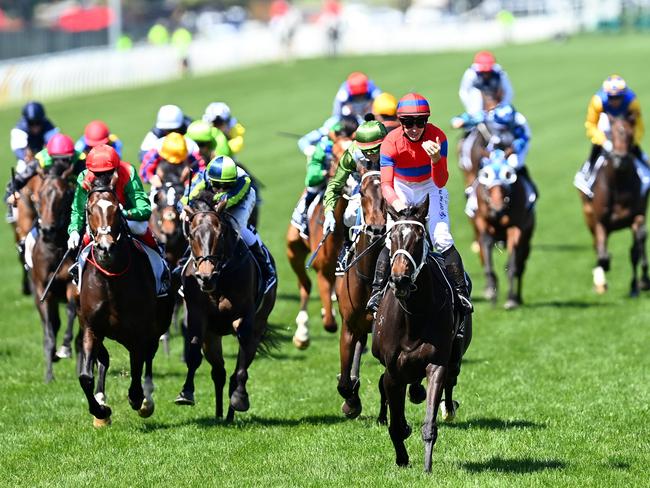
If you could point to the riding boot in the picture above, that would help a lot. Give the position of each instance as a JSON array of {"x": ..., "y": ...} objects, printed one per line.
[
  {"x": 523, "y": 173},
  {"x": 74, "y": 272},
  {"x": 382, "y": 269},
  {"x": 266, "y": 267},
  {"x": 304, "y": 217},
  {"x": 456, "y": 273},
  {"x": 638, "y": 153},
  {"x": 596, "y": 151},
  {"x": 342, "y": 260}
]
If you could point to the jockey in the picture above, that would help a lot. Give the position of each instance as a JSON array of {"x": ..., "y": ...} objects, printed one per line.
[
  {"x": 219, "y": 115},
  {"x": 384, "y": 108},
  {"x": 96, "y": 133},
  {"x": 615, "y": 98},
  {"x": 227, "y": 180},
  {"x": 32, "y": 132},
  {"x": 484, "y": 76},
  {"x": 319, "y": 164},
  {"x": 307, "y": 143},
  {"x": 174, "y": 151},
  {"x": 170, "y": 119},
  {"x": 355, "y": 96},
  {"x": 364, "y": 152},
  {"x": 211, "y": 141},
  {"x": 413, "y": 165}
]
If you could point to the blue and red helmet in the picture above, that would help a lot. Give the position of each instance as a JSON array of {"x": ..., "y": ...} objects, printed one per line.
[{"x": 413, "y": 105}]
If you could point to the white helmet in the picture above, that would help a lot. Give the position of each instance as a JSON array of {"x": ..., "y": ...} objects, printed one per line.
[
  {"x": 217, "y": 109},
  {"x": 169, "y": 117}
]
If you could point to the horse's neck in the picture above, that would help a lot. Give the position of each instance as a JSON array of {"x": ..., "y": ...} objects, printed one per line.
[{"x": 366, "y": 265}]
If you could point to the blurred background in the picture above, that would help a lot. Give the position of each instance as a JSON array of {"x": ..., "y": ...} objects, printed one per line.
[{"x": 88, "y": 45}]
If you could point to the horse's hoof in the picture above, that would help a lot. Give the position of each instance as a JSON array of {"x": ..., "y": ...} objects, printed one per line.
[
  {"x": 300, "y": 344},
  {"x": 448, "y": 415},
  {"x": 600, "y": 280},
  {"x": 644, "y": 284},
  {"x": 147, "y": 408},
  {"x": 490, "y": 294},
  {"x": 99, "y": 423},
  {"x": 331, "y": 328},
  {"x": 239, "y": 401},
  {"x": 402, "y": 462},
  {"x": 511, "y": 304},
  {"x": 351, "y": 411},
  {"x": 600, "y": 289},
  {"x": 185, "y": 398},
  {"x": 64, "y": 352},
  {"x": 417, "y": 393},
  {"x": 634, "y": 293},
  {"x": 136, "y": 404}
]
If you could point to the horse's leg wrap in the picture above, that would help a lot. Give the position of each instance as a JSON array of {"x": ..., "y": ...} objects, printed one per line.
[{"x": 456, "y": 272}]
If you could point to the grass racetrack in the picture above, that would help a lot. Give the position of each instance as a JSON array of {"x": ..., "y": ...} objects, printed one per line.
[{"x": 554, "y": 394}]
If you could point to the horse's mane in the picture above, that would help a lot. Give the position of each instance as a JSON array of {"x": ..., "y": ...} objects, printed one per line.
[{"x": 203, "y": 202}]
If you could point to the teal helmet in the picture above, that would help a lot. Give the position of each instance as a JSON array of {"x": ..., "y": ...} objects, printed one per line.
[
  {"x": 221, "y": 169},
  {"x": 370, "y": 135}
]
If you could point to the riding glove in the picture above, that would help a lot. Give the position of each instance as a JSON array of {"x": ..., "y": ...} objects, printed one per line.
[
  {"x": 73, "y": 240},
  {"x": 330, "y": 222},
  {"x": 608, "y": 146}
]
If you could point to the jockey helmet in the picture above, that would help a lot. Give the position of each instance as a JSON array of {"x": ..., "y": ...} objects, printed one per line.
[
  {"x": 357, "y": 84},
  {"x": 170, "y": 117},
  {"x": 217, "y": 110},
  {"x": 96, "y": 133},
  {"x": 484, "y": 62},
  {"x": 504, "y": 115},
  {"x": 385, "y": 104},
  {"x": 174, "y": 148},
  {"x": 222, "y": 169},
  {"x": 102, "y": 158},
  {"x": 413, "y": 105},
  {"x": 34, "y": 112},
  {"x": 614, "y": 86},
  {"x": 60, "y": 146},
  {"x": 202, "y": 132},
  {"x": 346, "y": 126},
  {"x": 370, "y": 135}
]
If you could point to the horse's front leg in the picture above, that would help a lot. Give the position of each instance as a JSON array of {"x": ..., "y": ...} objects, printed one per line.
[
  {"x": 194, "y": 340},
  {"x": 65, "y": 351},
  {"x": 637, "y": 251},
  {"x": 136, "y": 393},
  {"x": 436, "y": 378},
  {"x": 398, "y": 429},
  {"x": 644, "y": 283},
  {"x": 88, "y": 353},
  {"x": 350, "y": 348},
  {"x": 487, "y": 242},
  {"x": 147, "y": 408},
  {"x": 325, "y": 289},
  {"x": 247, "y": 347},
  {"x": 603, "y": 259},
  {"x": 514, "y": 273},
  {"x": 213, "y": 351},
  {"x": 49, "y": 312},
  {"x": 297, "y": 253}
]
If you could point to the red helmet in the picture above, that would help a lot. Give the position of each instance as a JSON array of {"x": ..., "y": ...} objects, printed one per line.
[
  {"x": 96, "y": 133},
  {"x": 484, "y": 62},
  {"x": 60, "y": 145},
  {"x": 357, "y": 83},
  {"x": 414, "y": 105},
  {"x": 102, "y": 158}
]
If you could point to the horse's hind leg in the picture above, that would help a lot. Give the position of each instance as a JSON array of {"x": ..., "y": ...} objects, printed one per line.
[
  {"x": 436, "y": 378},
  {"x": 490, "y": 292},
  {"x": 398, "y": 429},
  {"x": 193, "y": 357},
  {"x": 603, "y": 259},
  {"x": 325, "y": 289},
  {"x": 51, "y": 324},
  {"x": 382, "y": 418},
  {"x": 637, "y": 252},
  {"x": 296, "y": 253},
  {"x": 644, "y": 283},
  {"x": 86, "y": 378},
  {"x": 350, "y": 347},
  {"x": 147, "y": 408},
  {"x": 213, "y": 351},
  {"x": 449, "y": 406},
  {"x": 65, "y": 351},
  {"x": 237, "y": 388},
  {"x": 136, "y": 393}
]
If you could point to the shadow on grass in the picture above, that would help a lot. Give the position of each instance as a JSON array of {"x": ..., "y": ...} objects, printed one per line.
[
  {"x": 578, "y": 304},
  {"x": 244, "y": 421},
  {"x": 494, "y": 424},
  {"x": 291, "y": 297},
  {"x": 516, "y": 466},
  {"x": 562, "y": 247}
]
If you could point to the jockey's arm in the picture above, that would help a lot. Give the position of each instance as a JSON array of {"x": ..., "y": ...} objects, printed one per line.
[
  {"x": 387, "y": 169},
  {"x": 639, "y": 129},
  {"x": 196, "y": 186},
  {"x": 506, "y": 88},
  {"x": 315, "y": 168},
  {"x": 594, "y": 134},
  {"x": 469, "y": 95},
  {"x": 521, "y": 133},
  {"x": 336, "y": 184},
  {"x": 140, "y": 206},
  {"x": 18, "y": 142},
  {"x": 222, "y": 148},
  {"x": 78, "y": 210},
  {"x": 149, "y": 165},
  {"x": 439, "y": 171}
]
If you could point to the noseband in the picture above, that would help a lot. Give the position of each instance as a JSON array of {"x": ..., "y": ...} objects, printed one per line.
[
  {"x": 217, "y": 261},
  {"x": 103, "y": 230},
  {"x": 425, "y": 249}
]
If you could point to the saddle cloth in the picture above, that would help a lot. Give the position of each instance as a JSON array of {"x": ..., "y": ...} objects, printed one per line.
[{"x": 584, "y": 179}]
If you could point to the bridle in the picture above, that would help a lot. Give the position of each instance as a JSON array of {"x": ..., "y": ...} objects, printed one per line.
[
  {"x": 66, "y": 200},
  {"x": 104, "y": 230},
  {"x": 218, "y": 261},
  {"x": 417, "y": 267}
]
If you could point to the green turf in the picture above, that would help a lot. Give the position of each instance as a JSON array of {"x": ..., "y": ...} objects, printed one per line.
[{"x": 554, "y": 394}]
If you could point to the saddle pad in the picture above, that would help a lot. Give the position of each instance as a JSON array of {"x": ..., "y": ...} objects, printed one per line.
[{"x": 296, "y": 216}]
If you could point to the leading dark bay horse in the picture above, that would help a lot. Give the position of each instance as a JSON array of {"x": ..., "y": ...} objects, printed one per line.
[
  {"x": 618, "y": 203},
  {"x": 222, "y": 285},
  {"x": 417, "y": 333},
  {"x": 504, "y": 215},
  {"x": 353, "y": 291},
  {"x": 118, "y": 300},
  {"x": 53, "y": 207}
]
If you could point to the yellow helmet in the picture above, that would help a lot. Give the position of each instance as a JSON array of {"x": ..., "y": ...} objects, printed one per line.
[
  {"x": 174, "y": 148},
  {"x": 385, "y": 104},
  {"x": 614, "y": 85}
]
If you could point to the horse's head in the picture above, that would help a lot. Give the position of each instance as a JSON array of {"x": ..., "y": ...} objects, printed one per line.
[
  {"x": 104, "y": 217},
  {"x": 53, "y": 206},
  {"x": 173, "y": 174},
  {"x": 408, "y": 239},
  {"x": 496, "y": 177},
  {"x": 373, "y": 206},
  {"x": 211, "y": 239},
  {"x": 622, "y": 130},
  {"x": 166, "y": 216}
]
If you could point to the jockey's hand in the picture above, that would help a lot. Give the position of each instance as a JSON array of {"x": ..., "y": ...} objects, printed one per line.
[
  {"x": 457, "y": 122},
  {"x": 309, "y": 151},
  {"x": 73, "y": 240},
  {"x": 432, "y": 149},
  {"x": 399, "y": 205},
  {"x": 330, "y": 222},
  {"x": 13, "y": 198},
  {"x": 155, "y": 181},
  {"x": 608, "y": 146}
]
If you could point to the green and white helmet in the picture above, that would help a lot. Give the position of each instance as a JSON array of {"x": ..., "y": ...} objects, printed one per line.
[{"x": 370, "y": 135}]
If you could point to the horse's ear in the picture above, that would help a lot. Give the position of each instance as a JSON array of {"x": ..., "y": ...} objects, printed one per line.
[
  {"x": 422, "y": 210},
  {"x": 392, "y": 212},
  {"x": 221, "y": 206},
  {"x": 189, "y": 211},
  {"x": 114, "y": 178},
  {"x": 67, "y": 172}
]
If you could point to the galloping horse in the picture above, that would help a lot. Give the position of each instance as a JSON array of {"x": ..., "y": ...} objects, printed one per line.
[
  {"x": 325, "y": 263},
  {"x": 504, "y": 214},
  {"x": 118, "y": 300},
  {"x": 222, "y": 285},
  {"x": 617, "y": 203},
  {"x": 354, "y": 288},
  {"x": 53, "y": 206},
  {"x": 416, "y": 332}
]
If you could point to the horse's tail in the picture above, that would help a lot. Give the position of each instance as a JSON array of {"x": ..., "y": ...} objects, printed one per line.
[{"x": 270, "y": 340}]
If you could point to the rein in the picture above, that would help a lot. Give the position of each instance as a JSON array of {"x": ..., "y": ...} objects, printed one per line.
[{"x": 91, "y": 259}]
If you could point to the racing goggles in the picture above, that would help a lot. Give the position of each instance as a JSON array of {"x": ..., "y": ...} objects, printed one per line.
[
  {"x": 409, "y": 122},
  {"x": 371, "y": 152}
]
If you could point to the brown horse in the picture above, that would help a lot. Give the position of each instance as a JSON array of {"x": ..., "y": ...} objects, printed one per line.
[
  {"x": 504, "y": 215},
  {"x": 53, "y": 206},
  {"x": 118, "y": 300},
  {"x": 416, "y": 333},
  {"x": 325, "y": 263},
  {"x": 617, "y": 203},
  {"x": 223, "y": 296},
  {"x": 354, "y": 288}
]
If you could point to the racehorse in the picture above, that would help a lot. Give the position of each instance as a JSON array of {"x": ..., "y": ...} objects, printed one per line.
[
  {"x": 53, "y": 206},
  {"x": 617, "y": 203},
  {"x": 222, "y": 285},
  {"x": 354, "y": 288},
  {"x": 299, "y": 248},
  {"x": 118, "y": 300},
  {"x": 504, "y": 214},
  {"x": 416, "y": 333}
]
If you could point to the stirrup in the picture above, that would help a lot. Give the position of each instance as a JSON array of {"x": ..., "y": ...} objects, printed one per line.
[
  {"x": 373, "y": 301},
  {"x": 73, "y": 270},
  {"x": 464, "y": 304}
]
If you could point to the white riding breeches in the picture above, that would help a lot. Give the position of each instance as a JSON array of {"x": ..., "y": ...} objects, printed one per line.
[
  {"x": 350, "y": 214},
  {"x": 243, "y": 210},
  {"x": 465, "y": 159},
  {"x": 518, "y": 160},
  {"x": 438, "y": 218}
]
